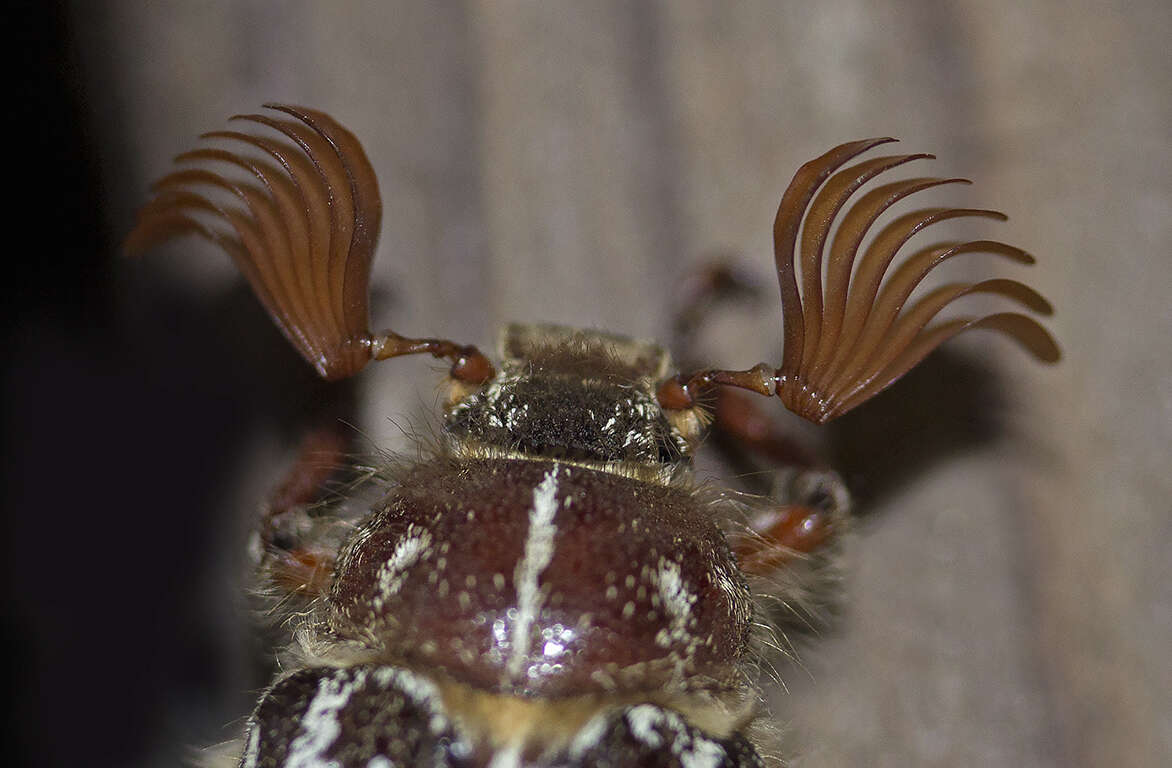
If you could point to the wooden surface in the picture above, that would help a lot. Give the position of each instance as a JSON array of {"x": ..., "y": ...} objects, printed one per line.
[{"x": 1008, "y": 604}]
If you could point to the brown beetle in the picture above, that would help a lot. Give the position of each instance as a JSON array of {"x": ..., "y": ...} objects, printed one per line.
[{"x": 548, "y": 586}]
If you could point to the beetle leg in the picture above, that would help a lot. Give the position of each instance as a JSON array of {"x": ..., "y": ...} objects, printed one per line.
[
  {"x": 710, "y": 282},
  {"x": 809, "y": 511},
  {"x": 321, "y": 454},
  {"x": 740, "y": 421},
  {"x": 788, "y": 546},
  {"x": 786, "y": 532},
  {"x": 296, "y": 558}
]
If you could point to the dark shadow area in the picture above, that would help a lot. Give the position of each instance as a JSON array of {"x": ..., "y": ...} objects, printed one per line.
[
  {"x": 947, "y": 406},
  {"x": 122, "y": 442},
  {"x": 127, "y": 402}
]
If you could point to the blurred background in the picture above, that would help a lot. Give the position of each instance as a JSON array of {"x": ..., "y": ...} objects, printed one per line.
[{"x": 1009, "y": 590}]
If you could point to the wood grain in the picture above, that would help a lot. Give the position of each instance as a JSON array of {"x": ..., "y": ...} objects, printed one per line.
[{"x": 1012, "y": 603}]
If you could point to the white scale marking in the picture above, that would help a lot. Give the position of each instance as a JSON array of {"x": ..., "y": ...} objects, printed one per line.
[
  {"x": 643, "y": 720},
  {"x": 589, "y": 736},
  {"x": 703, "y": 754},
  {"x": 692, "y": 750},
  {"x": 393, "y": 572},
  {"x": 509, "y": 757},
  {"x": 319, "y": 726},
  {"x": 677, "y": 601},
  {"x": 252, "y": 750},
  {"x": 537, "y": 556}
]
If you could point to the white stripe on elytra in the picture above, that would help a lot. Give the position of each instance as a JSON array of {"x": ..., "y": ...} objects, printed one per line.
[
  {"x": 320, "y": 726},
  {"x": 538, "y": 553}
]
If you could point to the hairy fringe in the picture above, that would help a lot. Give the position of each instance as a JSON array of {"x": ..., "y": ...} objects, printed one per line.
[
  {"x": 223, "y": 755},
  {"x": 795, "y": 602}
]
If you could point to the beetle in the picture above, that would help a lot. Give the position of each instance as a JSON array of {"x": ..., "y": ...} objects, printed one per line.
[{"x": 547, "y": 584}]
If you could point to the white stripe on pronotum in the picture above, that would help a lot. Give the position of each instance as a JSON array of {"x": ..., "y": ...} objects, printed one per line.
[{"x": 537, "y": 555}]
